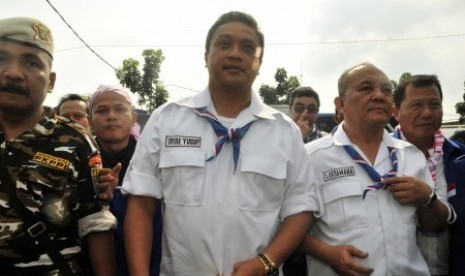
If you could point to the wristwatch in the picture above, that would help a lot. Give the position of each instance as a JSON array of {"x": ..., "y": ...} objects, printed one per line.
[{"x": 431, "y": 199}]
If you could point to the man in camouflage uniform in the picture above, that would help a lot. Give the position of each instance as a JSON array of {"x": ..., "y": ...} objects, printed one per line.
[{"x": 48, "y": 163}]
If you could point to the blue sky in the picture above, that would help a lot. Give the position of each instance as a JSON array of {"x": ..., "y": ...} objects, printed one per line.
[{"x": 314, "y": 40}]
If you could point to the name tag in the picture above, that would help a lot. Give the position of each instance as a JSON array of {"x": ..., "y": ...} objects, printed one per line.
[
  {"x": 182, "y": 141},
  {"x": 338, "y": 172}
]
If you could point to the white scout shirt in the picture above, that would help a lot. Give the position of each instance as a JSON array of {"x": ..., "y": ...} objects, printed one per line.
[
  {"x": 214, "y": 217},
  {"x": 377, "y": 224}
]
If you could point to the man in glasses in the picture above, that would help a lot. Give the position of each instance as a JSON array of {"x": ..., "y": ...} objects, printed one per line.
[
  {"x": 74, "y": 107},
  {"x": 304, "y": 105}
]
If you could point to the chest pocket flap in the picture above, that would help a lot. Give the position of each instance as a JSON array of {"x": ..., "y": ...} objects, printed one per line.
[
  {"x": 262, "y": 183},
  {"x": 271, "y": 167},
  {"x": 339, "y": 189},
  {"x": 182, "y": 172}
]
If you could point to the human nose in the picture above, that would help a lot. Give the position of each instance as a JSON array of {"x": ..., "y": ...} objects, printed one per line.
[
  {"x": 426, "y": 112},
  {"x": 235, "y": 52},
  {"x": 378, "y": 94},
  {"x": 12, "y": 70}
]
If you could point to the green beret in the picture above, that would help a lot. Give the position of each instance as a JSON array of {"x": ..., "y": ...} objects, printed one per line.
[{"x": 27, "y": 31}]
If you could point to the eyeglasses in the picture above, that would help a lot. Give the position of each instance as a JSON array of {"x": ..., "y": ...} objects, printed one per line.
[{"x": 311, "y": 109}]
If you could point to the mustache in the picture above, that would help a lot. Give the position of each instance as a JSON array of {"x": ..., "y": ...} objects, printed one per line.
[{"x": 14, "y": 88}]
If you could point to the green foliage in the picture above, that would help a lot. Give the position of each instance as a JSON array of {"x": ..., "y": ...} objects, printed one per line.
[
  {"x": 151, "y": 91},
  {"x": 402, "y": 78},
  {"x": 268, "y": 94},
  {"x": 130, "y": 75},
  {"x": 280, "y": 93}
]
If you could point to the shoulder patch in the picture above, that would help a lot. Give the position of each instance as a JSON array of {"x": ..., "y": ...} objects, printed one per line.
[{"x": 51, "y": 161}]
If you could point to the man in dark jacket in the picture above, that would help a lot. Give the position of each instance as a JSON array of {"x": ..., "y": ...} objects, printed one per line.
[{"x": 418, "y": 108}]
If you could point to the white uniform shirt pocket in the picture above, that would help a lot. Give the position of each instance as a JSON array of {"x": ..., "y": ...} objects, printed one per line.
[
  {"x": 182, "y": 173},
  {"x": 261, "y": 184},
  {"x": 344, "y": 208}
]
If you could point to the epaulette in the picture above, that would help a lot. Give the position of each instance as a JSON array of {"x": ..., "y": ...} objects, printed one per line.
[{"x": 319, "y": 144}]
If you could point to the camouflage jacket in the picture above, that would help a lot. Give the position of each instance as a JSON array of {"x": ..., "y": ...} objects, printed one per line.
[{"x": 51, "y": 166}]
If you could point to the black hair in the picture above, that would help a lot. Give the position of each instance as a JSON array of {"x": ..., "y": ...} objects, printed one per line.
[
  {"x": 71, "y": 97},
  {"x": 235, "y": 16},
  {"x": 415, "y": 81},
  {"x": 303, "y": 91}
]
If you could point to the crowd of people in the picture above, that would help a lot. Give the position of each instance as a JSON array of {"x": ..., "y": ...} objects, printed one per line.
[{"x": 219, "y": 183}]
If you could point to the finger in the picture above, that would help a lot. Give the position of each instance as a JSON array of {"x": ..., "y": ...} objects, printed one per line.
[
  {"x": 356, "y": 269},
  {"x": 104, "y": 171},
  {"x": 359, "y": 269},
  {"x": 357, "y": 252},
  {"x": 105, "y": 191},
  {"x": 302, "y": 116},
  {"x": 106, "y": 178},
  {"x": 117, "y": 169}
]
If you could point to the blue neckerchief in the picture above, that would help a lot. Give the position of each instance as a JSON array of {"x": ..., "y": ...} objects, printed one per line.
[{"x": 233, "y": 135}]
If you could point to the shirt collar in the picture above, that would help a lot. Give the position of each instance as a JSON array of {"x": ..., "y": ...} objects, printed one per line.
[
  {"x": 341, "y": 138},
  {"x": 256, "y": 108}
]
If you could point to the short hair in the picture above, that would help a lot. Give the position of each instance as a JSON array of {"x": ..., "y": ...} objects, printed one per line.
[
  {"x": 71, "y": 97},
  {"x": 303, "y": 91},
  {"x": 235, "y": 16},
  {"x": 415, "y": 81},
  {"x": 342, "y": 82}
]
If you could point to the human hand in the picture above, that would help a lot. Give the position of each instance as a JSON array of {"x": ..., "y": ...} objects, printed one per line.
[
  {"x": 251, "y": 267},
  {"x": 107, "y": 182},
  {"x": 408, "y": 190},
  {"x": 342, "y": 260},
  {"x": 302, "y": 122}
]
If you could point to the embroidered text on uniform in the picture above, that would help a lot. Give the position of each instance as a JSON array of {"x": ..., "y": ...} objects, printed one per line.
[
  {"x": 338, "y": 172},
  {"x": 182, "y": 141}
]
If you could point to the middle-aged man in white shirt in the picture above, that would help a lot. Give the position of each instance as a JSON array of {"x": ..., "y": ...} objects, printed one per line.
[
  {"x": 372, "y": 188},
  {"x": 418, "y": 109},
  {"x": 240, "y": 211}
]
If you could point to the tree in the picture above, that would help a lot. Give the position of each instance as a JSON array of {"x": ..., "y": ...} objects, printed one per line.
[
  {"x": 402, "y": 78},
  {"x": 268, "y": 94},
  {"x": 151, "y": 91},
  {"x": 460, "y": 108},
  {"x": 280, "y": 93}
]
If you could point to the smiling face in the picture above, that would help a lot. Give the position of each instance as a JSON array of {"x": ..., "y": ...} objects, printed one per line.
[
  {"x": 233, "y": 58},
  {"x": 112, "y": 118},
  {"x": 25, "y": 79},
  {"x": 420, "y": 112},
  {"x": 368, "y": 100}
]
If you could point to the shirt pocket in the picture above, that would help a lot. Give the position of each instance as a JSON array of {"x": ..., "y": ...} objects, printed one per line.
[
  {"x": 38, "y": 178},
  {"x": 344, "y": 206},
  {"x": 261, "y": 185},
  {"x": 46, "y": 190},
  {"x": 182, "y": 173}
]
